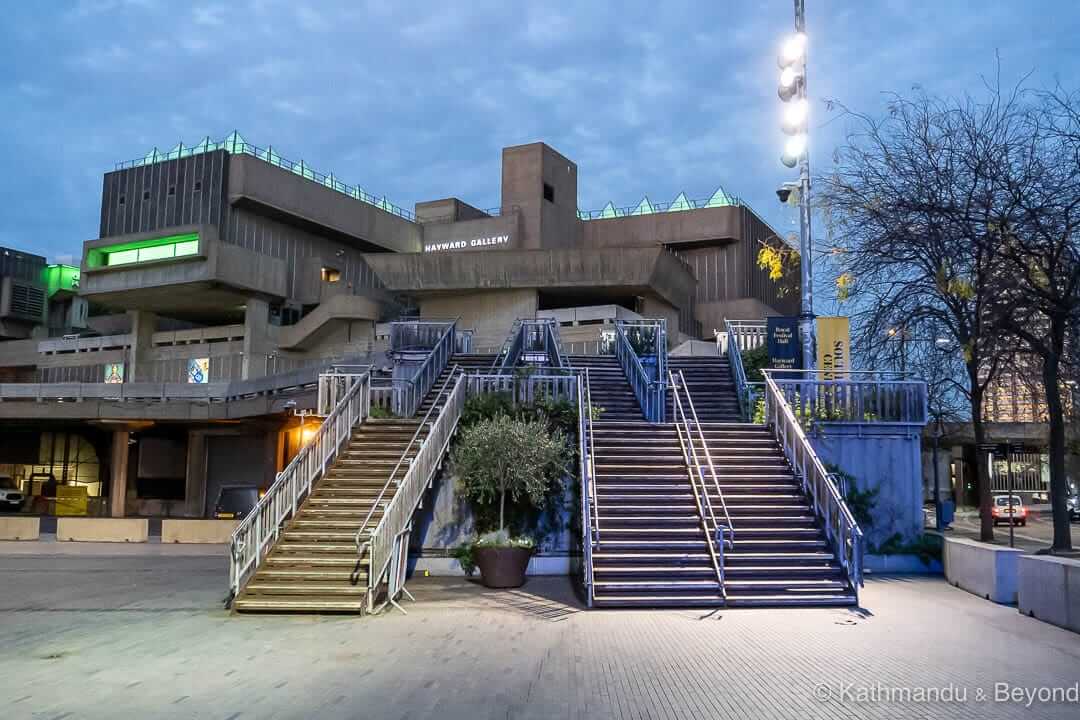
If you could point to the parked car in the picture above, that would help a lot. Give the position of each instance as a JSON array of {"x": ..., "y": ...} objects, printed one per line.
[
  {"x": 235, "y": 501},
  {"x": 11, "y": 495},
  {"x": 1005, "y": 512},
  {"x": 1074, "y": 507}
]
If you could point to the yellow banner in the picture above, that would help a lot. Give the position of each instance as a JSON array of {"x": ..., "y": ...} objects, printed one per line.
[{"x": 833, "y": 347}]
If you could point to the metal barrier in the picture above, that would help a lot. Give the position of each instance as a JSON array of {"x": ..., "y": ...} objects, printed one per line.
[
  {"x": 259, "y": 530},
  {"x": 742, "y": 335},
  {"x": 858, "y": 397},
  {"x": 650, "y": 387},
  {"x": 717, "y": 533},
  {"x": 829, "y": 503},
  {"x": 525, "y": 389},
  {"x": 386, "y": 546}
]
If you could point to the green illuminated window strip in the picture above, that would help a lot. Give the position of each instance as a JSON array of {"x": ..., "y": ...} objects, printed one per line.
[{"x": 141, "y": 251}]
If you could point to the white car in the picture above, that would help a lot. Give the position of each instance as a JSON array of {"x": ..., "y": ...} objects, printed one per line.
[{"x": 11, "y": 495}]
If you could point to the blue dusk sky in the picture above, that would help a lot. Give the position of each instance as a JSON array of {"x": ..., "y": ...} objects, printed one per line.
[{"x": 414, "y": 100}]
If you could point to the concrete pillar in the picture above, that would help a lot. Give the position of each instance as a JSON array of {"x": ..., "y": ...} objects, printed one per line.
[
  {"x": 195, "y": 482},
  {"x": 140, "y": 361},
  {"x": 257, "y": 344},
  {"x": 119, "y": 467}
]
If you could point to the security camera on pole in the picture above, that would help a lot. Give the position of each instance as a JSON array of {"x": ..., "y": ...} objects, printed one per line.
[{"x": 792, "y": 61}]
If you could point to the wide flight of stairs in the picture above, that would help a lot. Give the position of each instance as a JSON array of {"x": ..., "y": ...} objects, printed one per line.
[{"x": 653, "y": 551}]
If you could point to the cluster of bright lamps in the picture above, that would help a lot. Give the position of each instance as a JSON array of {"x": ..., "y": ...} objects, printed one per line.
[{"x": 792, "y": 62}]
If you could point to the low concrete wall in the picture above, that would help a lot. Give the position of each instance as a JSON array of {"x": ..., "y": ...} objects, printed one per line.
[
  {"x": 197, "y": 531},
  {"x": 102, "y": 529},
  {"x": 1048, "y": 589},
  {"x": 989, "y": 571},
  {"x": 19, "y": 528}
]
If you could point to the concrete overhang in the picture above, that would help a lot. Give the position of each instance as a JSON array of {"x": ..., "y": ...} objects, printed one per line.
[
  {"x": 295, "y": 200},
  {"x": 686, "y": 229},
  {"x": 215, "y": 281},
  {"x": 639, "y": 271}
]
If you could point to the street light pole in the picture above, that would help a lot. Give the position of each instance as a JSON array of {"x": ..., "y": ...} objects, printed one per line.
[
  {"x": 792, "y": 90},
  {"x": 806, "y": 243}
]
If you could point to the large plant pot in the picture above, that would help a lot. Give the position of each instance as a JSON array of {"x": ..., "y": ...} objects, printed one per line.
[{"x": 502, "y": 567}]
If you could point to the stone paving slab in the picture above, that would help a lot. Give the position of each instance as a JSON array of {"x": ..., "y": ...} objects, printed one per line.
[{"x": 146, "y": 637}]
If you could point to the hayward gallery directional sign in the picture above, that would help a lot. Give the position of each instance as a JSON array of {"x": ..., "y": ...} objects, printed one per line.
[{"x": 481, "y": 242}]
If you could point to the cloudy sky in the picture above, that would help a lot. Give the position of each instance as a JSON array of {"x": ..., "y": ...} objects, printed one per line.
[{"x": 415, "y": 100}]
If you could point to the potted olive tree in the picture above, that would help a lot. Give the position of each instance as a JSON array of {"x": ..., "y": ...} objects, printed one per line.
[{"x": 501, "y": 460}]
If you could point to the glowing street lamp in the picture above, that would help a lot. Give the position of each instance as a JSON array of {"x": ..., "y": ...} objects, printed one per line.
[{"x": 792, "y": 91}]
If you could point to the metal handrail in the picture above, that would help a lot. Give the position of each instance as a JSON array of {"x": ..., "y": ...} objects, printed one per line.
[
  {"x": 708, "y": 454},
  {"x": 502, "y": 358},
  {"x": 389, "y": 539},
  {"x": 404, "y": 457},
  {"x": 651, "y": 393},
  {"x": 260, "y": 528},
  {"x": 408, "y": 394},
  {"x": 716, "y": 535},
  {"x": 736, "y": 343},
  {"x": 590, "y": 517},
  {"x": 829, "y": 503}
]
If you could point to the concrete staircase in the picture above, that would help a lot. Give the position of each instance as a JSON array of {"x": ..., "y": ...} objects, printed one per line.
[
  {"x": 653, "y": 551},
  {"x": 314, "y": 565},
  {"x": 711, "y": 386}
]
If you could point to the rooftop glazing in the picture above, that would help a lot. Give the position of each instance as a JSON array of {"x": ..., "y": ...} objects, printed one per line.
[
  {"x": 646, "y": 207},
  {"x": 235, "y": 144}
]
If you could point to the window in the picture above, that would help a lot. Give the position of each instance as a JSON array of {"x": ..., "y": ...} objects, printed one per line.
[
  {"x": 198, "y": 185},
  {"x": 164, "y": 248},
  {"x": 172, "y": 189},
  {"x": 330, "y": 275},
  {"x": 549, "y": 193},
  {"x": 121, "y": 200},
  {"x": 146, "y": 195}
]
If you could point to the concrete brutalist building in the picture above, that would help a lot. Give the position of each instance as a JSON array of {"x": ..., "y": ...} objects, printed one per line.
[{"x": 225, "y": 266}]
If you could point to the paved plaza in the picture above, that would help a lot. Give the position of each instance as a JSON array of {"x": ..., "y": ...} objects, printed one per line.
[{"x": 94, "y": 636}]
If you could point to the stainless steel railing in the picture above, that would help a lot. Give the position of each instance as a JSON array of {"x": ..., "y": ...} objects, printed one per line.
[
  {"x": 408, "y": 394},
  {"x": 651, "y": 392},
  {"x": 386, "y": 545},
  {"x": 590, "y": 511},
  {"x": 259, "y": 530},
  {"x": 719, "y": 530},
  {"x": 829, "y": 504},
  {"x": 742, "y": 335}
]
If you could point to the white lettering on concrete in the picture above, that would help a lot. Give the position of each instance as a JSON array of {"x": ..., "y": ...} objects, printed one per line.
[{"x": 462, "y": 244}]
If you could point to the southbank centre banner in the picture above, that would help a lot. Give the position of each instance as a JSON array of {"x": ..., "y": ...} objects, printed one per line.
[
  {"x": 782, "y": 334},
  {"x": 833, "y": 347}
]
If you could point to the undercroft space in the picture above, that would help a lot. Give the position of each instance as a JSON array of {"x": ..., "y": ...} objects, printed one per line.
[{"x": 92, "y": 636}]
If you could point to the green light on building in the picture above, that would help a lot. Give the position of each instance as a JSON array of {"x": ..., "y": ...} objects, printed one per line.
[
  {"x": 61, "y": 277},
  {"x": 141, "y": 251}
]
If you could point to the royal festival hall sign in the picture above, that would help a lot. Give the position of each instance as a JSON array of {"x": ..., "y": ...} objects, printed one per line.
[
  {"x": 481, "y": 242},
  {"x": 783, "y": 340}
]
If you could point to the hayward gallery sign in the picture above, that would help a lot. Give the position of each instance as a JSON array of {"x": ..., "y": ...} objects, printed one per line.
[{"x": 482, "y": 242}]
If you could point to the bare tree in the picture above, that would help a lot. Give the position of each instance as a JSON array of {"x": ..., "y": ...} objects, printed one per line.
[
  {"x": 1040, "y": 245},
  {"x": 912, "y": 200}
]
